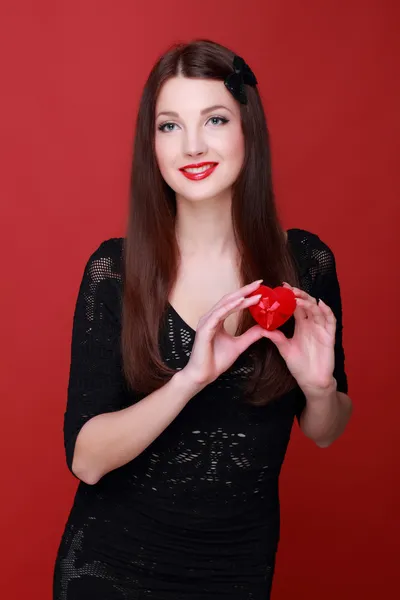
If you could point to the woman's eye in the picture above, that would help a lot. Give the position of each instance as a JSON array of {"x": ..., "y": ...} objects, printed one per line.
[
  {"x": 218, "y": 120},
  {"x": 166, "y": 127}
]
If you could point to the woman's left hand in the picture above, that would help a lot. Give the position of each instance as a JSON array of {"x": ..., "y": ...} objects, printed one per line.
[{"x": 309, "y": 354}]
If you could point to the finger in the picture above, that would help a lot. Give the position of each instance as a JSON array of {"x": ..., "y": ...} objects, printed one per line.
[
  {"x": 244, "y": 291},
  {"x": 248, "y": 338},
  {"x": 241, "y": 292},
  {"x": 300, "y": 314},
  {"x": 301, "y": 293},
  {"x": 312, "y": 311},
  {"x": 253, "y": 300},
  {"x": 279, "y": 339},
  {"x": 329, "y": 315},
  {"x": 304, "y": 296},
  {"x": 211, "y": 321}
]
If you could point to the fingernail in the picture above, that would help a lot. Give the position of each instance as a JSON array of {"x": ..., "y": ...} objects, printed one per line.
[{"x": 259, "y": 281}]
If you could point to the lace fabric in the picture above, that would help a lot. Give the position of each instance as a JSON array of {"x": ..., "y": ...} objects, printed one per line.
[{"x": 196, "y": 515}]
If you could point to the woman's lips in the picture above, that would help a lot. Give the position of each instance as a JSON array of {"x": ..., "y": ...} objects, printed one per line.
[{"x": 202, "y": 174}]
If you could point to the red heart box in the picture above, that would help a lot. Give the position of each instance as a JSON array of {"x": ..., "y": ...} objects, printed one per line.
[{"x": 275, "y": 307}]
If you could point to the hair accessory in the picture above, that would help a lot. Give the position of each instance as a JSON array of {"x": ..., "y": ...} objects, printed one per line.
[{"x": 242, "y": 74}]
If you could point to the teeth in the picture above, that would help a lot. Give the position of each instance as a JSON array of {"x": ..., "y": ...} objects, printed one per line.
[{"x": 198, "y": 169}]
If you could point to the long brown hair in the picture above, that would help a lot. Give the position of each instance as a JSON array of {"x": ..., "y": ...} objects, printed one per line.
[{"x": 151, "y": 253}]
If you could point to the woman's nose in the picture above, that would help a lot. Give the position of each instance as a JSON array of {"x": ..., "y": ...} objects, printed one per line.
[{"x": 194, "y": 144}]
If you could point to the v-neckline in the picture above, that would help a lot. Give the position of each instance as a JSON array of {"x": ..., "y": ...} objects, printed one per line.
[
  {"x": 179, "y": 318},
  {"x": 182, "y": 320}
]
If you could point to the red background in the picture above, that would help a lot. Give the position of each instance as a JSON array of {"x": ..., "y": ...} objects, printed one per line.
[{"x": 72, "y": 76}]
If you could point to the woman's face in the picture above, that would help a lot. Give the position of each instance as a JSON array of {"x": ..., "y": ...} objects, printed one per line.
[{"x": 198, "y": 123}]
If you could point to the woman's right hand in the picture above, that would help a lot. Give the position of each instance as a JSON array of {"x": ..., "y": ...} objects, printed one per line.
[{"x": 214, "y": 350}]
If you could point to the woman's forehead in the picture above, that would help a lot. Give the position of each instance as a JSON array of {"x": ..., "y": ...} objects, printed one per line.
[{"x": 193, "y": 95}]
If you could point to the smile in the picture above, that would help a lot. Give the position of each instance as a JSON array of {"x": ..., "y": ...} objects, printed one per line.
[{"x": 199, "y": 171}]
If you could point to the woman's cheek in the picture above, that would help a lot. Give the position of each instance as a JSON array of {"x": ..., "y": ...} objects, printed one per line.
[{"x": 163, "y": 156}]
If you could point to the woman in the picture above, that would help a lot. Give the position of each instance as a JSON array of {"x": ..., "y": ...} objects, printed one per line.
[{"x": 180, "y": 407}]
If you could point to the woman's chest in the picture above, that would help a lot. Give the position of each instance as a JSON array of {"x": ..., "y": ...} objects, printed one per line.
[{"x": 199, "y": 287}]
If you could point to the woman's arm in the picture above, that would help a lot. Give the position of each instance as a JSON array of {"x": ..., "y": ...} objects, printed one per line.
[
  {"x": 326, "y": 415},
  {"x": 328, "y": 411},
  {"x": 104, "y": 428},
  {"x": 111, "y": 440},
  {"x": 323, "y": 414}
]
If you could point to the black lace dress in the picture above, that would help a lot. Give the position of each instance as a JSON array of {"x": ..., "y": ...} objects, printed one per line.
[{"x": 196, "y": 515}]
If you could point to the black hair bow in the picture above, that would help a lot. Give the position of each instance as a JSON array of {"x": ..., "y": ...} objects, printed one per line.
[{"x": 242, "y": 74}]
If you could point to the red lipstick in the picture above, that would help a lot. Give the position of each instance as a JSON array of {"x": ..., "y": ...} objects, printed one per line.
[{"x": 203, "y": 174}]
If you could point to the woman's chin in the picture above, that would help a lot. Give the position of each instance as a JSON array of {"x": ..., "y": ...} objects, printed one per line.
[{"x": 204, "y": 195}]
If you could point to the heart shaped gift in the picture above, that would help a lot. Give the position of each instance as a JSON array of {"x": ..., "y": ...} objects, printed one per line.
[{"x": 275, "y": 307}]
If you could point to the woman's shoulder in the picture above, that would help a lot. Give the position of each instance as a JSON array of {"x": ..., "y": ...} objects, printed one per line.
[
  {"x": 304, "y": 236},
  {"x": 311, "y": 251},
  {"x": 106, "y": 260},
  {"x": 112, "y": 248}
]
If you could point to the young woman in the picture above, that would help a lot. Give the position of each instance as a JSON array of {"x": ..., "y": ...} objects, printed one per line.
[{"x": 180, "y": 407}]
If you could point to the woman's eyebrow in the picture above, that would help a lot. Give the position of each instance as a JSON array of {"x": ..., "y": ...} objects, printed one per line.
[{"x": 170, "y": 113}]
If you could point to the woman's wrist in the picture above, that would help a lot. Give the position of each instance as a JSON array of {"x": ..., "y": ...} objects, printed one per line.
[
  {"x": 326, "y": 390},
  {"x": 186, "y": 385}
]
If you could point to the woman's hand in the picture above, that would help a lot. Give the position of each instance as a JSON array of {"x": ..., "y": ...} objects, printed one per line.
[
  {"x": 309, "y": 354},
  {"x": 214, "y": 350}
]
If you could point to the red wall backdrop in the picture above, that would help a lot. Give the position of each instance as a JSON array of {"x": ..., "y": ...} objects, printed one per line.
[{"x": 72, "y": 76}]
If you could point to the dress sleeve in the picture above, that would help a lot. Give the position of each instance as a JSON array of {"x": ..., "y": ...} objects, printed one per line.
[
  {"x": 95, "y": 379},
  {"x": 326, "y": 286},
  {"x": 328, "y": 289}
]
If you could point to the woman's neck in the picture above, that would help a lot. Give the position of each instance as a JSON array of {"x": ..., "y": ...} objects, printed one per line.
[{"x": 205, "y": 227}]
